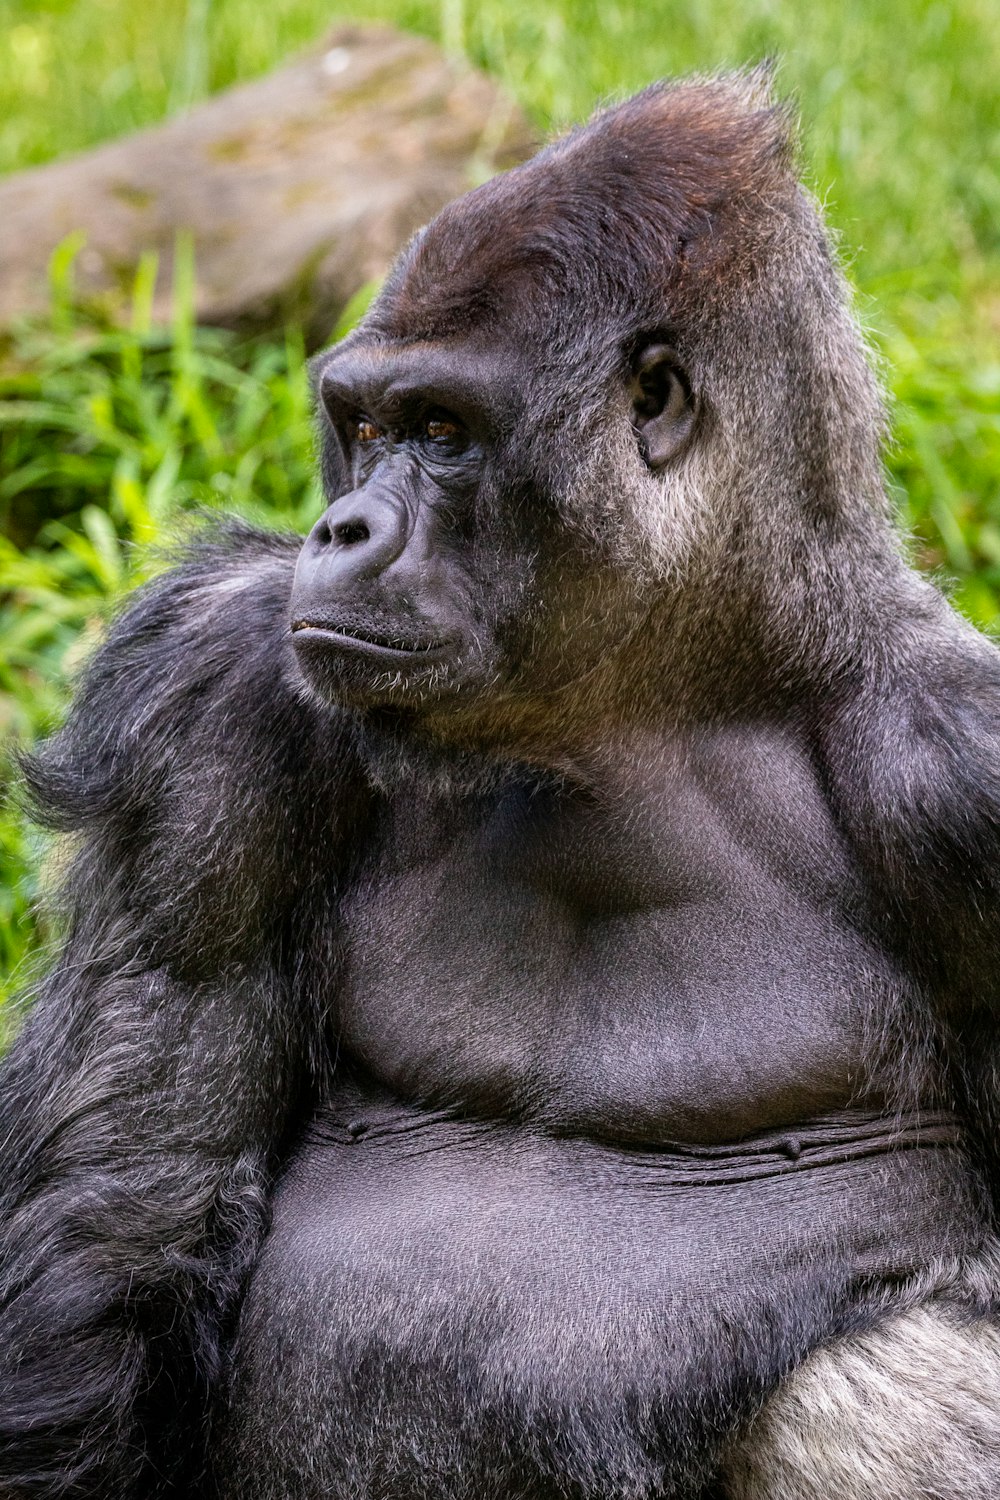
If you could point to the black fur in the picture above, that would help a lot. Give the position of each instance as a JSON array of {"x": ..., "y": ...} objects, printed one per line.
[
  {"x": 178, "y": 1039},
  {"x": 600, "y": 999}
]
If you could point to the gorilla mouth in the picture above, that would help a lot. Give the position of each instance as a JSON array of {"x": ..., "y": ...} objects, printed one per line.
[{"x": 372, "y": 642}]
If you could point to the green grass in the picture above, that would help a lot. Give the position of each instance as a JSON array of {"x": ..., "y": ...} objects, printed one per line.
[{"x": 114, "y": 433}]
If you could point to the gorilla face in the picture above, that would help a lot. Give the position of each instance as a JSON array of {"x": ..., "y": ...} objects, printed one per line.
[
  {"x": 404, "y": 586},
  {"x": 509, "y": 419},
  {"x": 445, "y": 567}
]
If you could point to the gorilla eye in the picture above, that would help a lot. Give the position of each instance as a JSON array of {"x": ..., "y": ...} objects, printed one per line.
[
  {"x": 366, "y": 431},
  {"x": 441, "y": 427}
]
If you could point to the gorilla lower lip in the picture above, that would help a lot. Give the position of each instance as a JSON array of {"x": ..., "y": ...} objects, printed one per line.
[{"x": 374, "y": 642}]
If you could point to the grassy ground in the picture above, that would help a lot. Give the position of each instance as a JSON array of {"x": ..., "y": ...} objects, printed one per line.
[{"x": 115, "y": 431}]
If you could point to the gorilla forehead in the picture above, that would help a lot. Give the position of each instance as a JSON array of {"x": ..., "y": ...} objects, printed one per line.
[{"x": 678, "y": 189}]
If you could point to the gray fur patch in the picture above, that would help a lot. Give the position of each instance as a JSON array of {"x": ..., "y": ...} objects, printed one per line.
[{"x": 910, "y": 1411}]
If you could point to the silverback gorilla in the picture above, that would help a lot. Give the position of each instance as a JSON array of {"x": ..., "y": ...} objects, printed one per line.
[{"x": 528, "y": 1021}]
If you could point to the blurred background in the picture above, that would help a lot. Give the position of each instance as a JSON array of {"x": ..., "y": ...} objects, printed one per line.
[{"x": 109, "y": 433}]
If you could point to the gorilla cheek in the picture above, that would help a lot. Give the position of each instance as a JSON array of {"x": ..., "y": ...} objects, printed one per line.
[{"x": 587, "y": 616}]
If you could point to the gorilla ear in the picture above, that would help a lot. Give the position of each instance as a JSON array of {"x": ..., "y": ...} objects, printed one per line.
[{"x": 663, "y": 408}]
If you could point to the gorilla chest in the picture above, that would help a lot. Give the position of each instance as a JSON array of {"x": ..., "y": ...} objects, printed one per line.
[{"x": 616, "y": 974}]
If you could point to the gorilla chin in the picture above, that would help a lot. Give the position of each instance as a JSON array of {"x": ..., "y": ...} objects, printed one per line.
[
  {"x": 361, "y": 667},
  {"x": 333, "y": 656}
]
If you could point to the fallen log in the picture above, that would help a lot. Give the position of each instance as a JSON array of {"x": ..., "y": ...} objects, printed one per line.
[{"x": 296, "y": 189}]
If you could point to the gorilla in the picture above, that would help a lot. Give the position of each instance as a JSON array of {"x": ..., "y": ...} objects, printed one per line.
[{"x": 527, "y": 1024}]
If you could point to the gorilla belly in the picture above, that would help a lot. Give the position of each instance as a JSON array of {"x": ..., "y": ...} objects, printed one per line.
[{"x": 455, "y": 1310}]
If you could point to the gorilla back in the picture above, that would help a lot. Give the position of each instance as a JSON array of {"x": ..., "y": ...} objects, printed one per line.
[{"x": 527, "y": 1024}]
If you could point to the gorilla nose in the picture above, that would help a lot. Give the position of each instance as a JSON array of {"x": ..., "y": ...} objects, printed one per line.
[{"x": 359, "y": 537}]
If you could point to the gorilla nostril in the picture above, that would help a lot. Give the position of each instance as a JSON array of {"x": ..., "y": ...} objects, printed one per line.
[
  {"x": 350, "y": 533},
  {"x": 321, "y": 532}
]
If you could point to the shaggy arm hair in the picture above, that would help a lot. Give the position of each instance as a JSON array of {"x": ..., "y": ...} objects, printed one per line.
[
  {"x": 913, "y": 755},
  {"x": 174, "y": 1046}
]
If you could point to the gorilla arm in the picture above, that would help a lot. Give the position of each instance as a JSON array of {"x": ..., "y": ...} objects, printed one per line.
[
  {"x": 913, "y": 752},
  {"x": 173, "y": 1045}
]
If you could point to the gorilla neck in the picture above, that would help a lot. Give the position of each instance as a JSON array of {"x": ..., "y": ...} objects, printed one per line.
[{"x": 659, "y": 684}]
